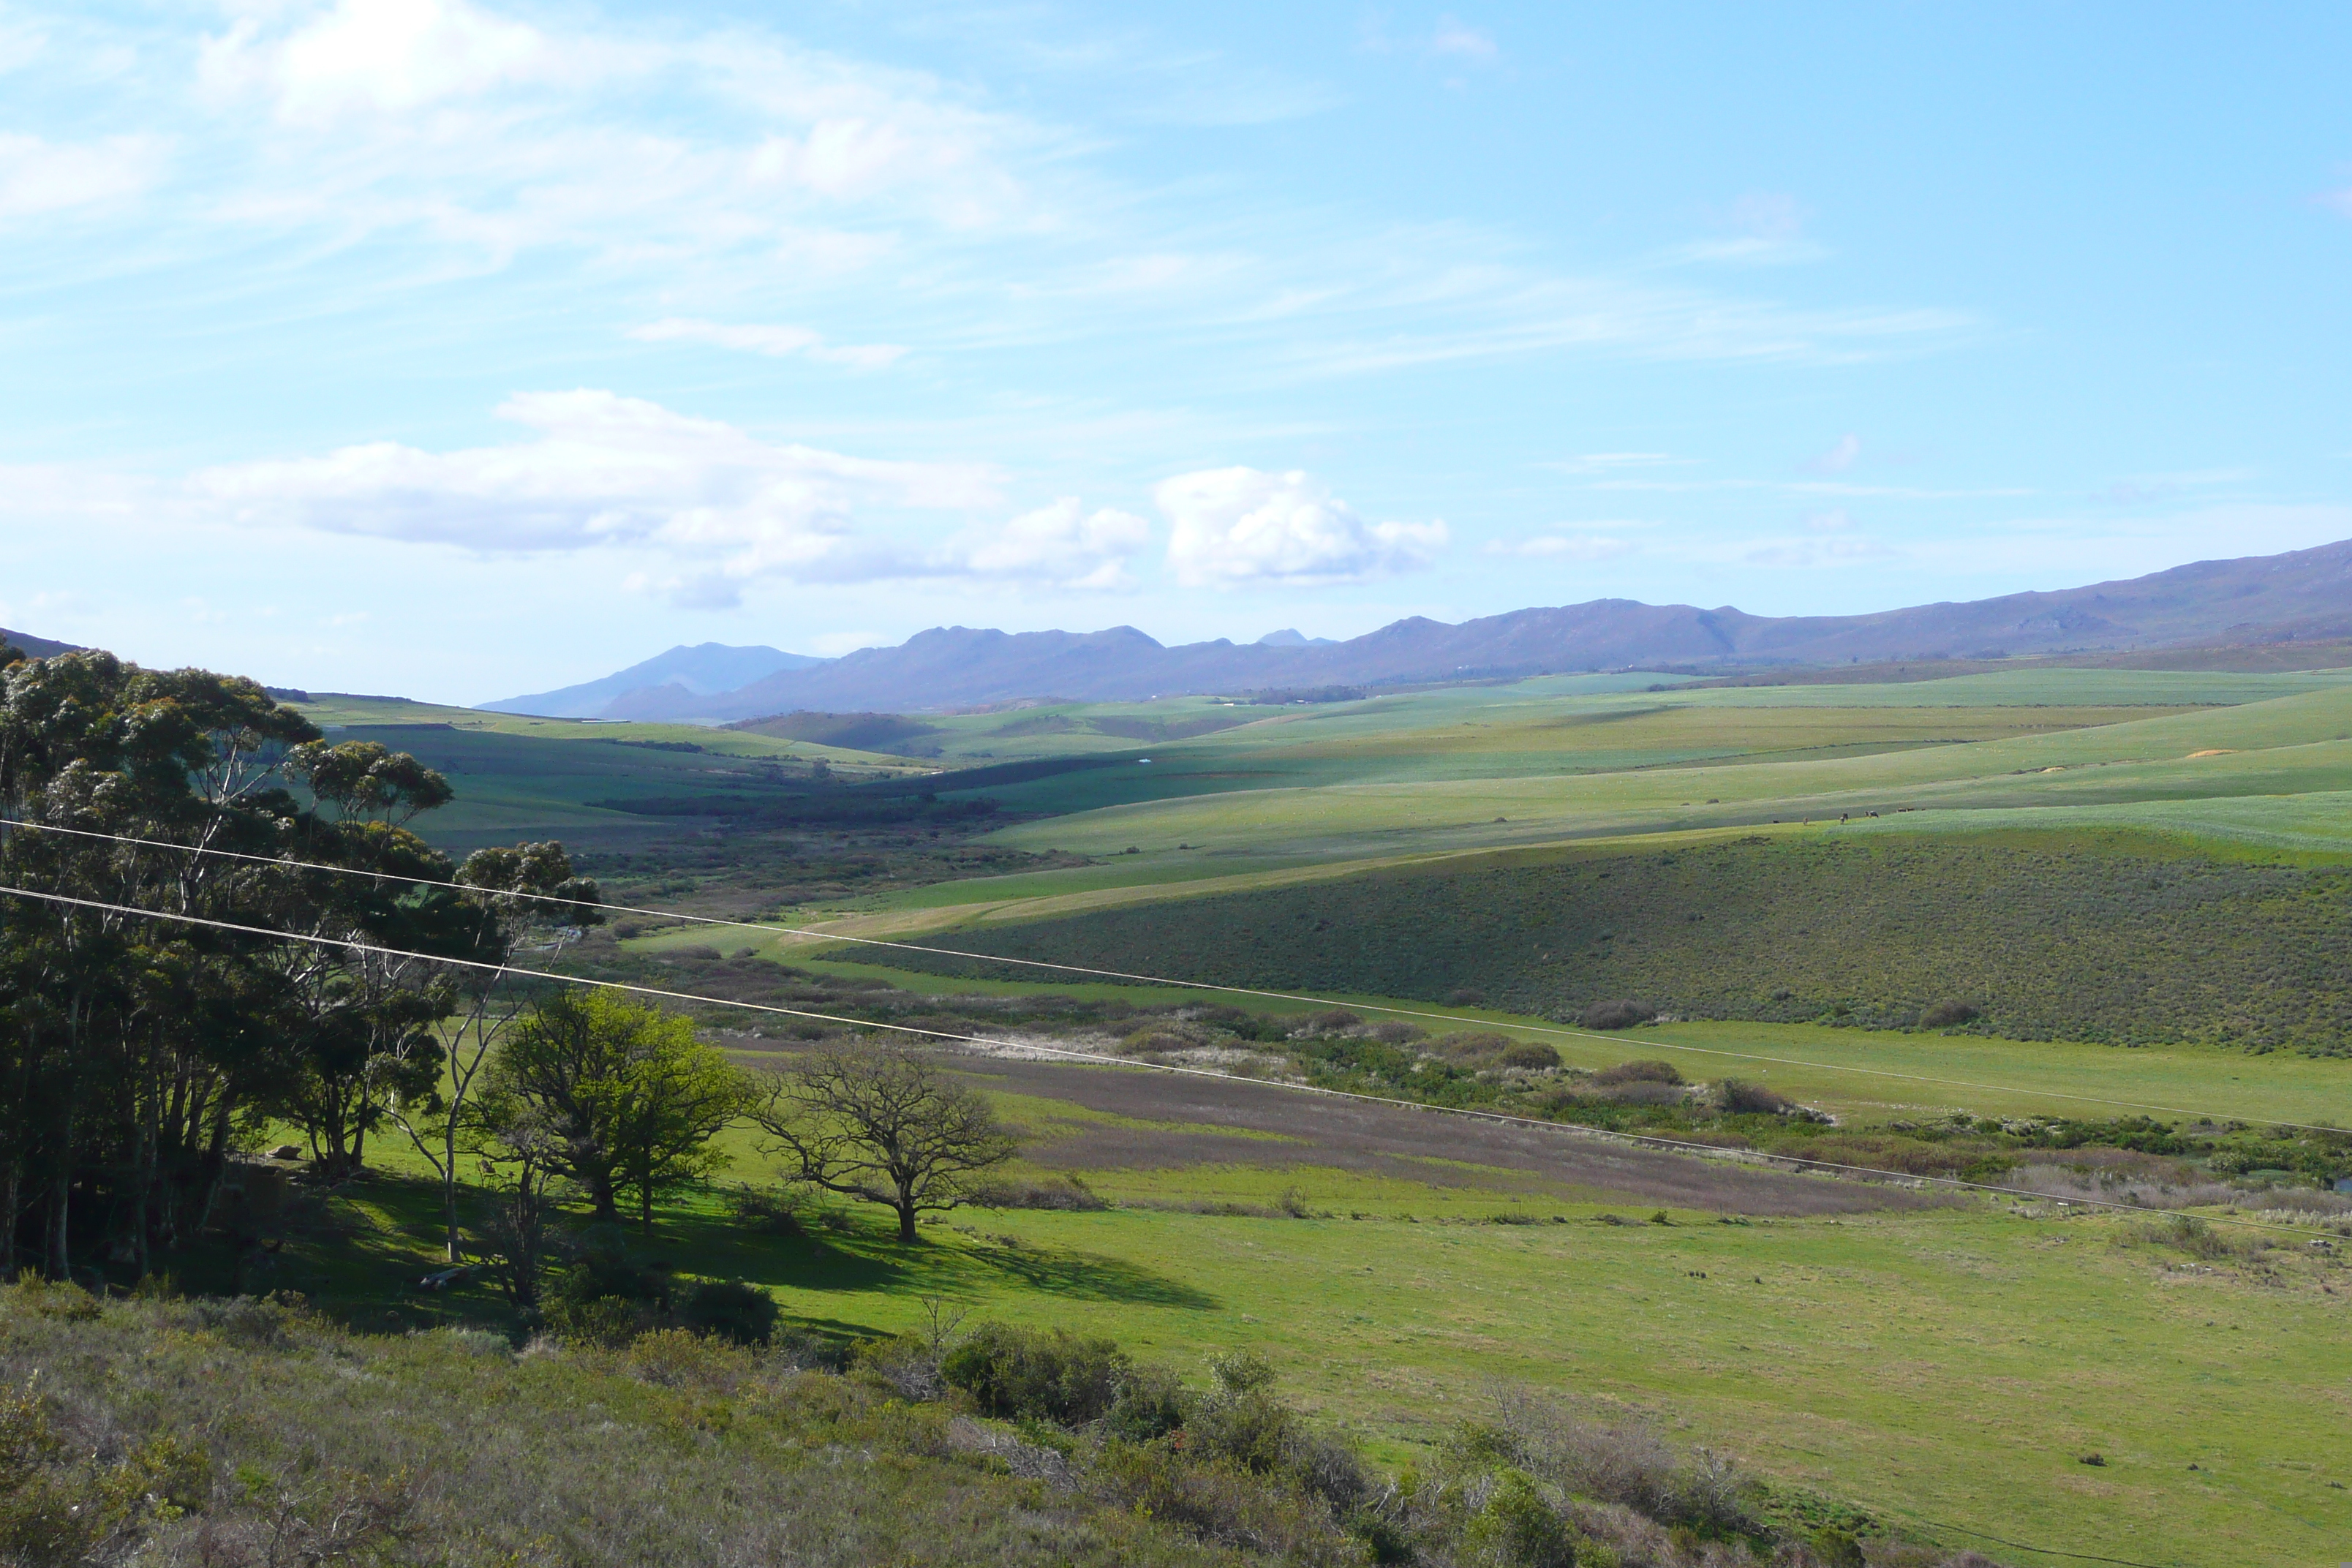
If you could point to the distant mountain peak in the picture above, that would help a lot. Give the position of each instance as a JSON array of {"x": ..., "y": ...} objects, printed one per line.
[
  {"x": 1290, "y": 637},
  {"x": 681, "y": 675}
]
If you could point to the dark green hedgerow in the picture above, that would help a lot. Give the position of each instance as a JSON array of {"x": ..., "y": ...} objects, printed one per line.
[{"x": 2022, "y": 943}]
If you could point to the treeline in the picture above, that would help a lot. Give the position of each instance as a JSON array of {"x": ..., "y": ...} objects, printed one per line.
[{"x": 139, "y": 1053}]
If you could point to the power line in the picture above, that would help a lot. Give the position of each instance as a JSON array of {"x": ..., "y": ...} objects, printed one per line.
[
  {"x": 1679, "y": 1145},
  {"x": 1162, "y": 981}
]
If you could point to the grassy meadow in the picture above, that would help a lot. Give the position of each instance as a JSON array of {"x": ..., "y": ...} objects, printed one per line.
[
  {"x": 1947, "y": 1369},
  {"x": 2134, "y": 876}
]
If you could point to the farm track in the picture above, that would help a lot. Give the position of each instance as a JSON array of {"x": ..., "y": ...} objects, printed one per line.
[{"x": 1235, "y": 1121}]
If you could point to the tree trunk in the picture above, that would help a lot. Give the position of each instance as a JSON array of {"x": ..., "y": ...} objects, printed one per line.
[
  {"x": 905, "y": 1221},
  {"x": 60, "y": 1255}
]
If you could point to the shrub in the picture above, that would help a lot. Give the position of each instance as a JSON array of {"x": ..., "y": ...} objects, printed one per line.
[
  {"x": 1945, "y": 1013},
  {"x": 765, "y": 1211},
  {"x": 607, "y": 1320},
  {"x": 1515, "y": 1529},
  {"x": 1530, "y": 1053},
  {"x": 1615, "y": 1015},
  {"x": 1056, "y": 1376},
  {"x": 1739, "y": 1098},
  {"x": 1332, "y": 1021},
  {"x": 1471, "y": 1047},
  {"x": 1639, "y": 1072},
  {"x": 1618, "y": 1461},
  {"x": 1150, "y": 1404},
  {"x": 731, "y": 1311},
  {"x": 1065, "y": 1192}
]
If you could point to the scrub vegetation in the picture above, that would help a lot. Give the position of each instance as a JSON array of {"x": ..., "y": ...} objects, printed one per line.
[{"x": 2025, "y": 940}]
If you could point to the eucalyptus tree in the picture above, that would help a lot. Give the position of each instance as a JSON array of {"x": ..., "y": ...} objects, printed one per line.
[
  {"x": 134, "y": 1047},
  {"x": 506, "y": 898}
]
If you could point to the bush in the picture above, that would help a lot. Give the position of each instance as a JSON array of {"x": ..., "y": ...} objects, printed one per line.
[
  {"x": 1055, "y": 1376},
  {"x": 1515, "y": 1529},
  {"x": 1474, "y": 1048},
  {"x": 1738, "y": 1098},
  {"x": 1639, "y": 1072},
  {"x": 1531, "y": 1054},
  {"x": 1615, "y": 1015},
  {"x": 1332, "y": 1021},
  {"x": 1150, "y": 1404},
  {"x": 1945, "y": 1014},
  {"x": 1064, "y": 1192},
  {"x": 765, "y": 1211},
  {"x": 730, "y": 1310}
]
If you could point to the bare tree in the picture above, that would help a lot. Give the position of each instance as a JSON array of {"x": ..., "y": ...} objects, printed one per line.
[{"x": 880, "y": 1122}]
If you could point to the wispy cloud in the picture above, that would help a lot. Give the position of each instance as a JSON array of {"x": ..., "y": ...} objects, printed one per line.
[
  {"x": 1581, "y": 548},
  {"x": 1453, "y": 38},
  {"x": 1839, "y": 456},
  {"x": 1761, "y": 228},
  {"x": 40, "y": 178},
  {"x": 775, "y": 340}
]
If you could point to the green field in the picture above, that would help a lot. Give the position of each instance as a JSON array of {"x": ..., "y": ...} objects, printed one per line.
[
  {"x": 1945, "y": 1369},
  {"x": 2127, "y": 915},
  {"x": 535, "y": 778}
]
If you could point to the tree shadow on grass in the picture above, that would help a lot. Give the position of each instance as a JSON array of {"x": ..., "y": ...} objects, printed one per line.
[
  {"x": 867, "y": 1259},
  {"x": 1090, "y": 1277}
]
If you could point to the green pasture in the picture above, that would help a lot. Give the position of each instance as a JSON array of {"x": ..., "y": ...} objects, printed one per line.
[
  {"x": 519, "y": 777},
  {"x": 1947, "y": 1369},
  {"x": 2284, "y": 746}
]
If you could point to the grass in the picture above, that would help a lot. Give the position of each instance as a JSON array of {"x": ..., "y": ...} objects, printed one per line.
[
  {"x": 2045, "y": 941},
  {"x": 1943, "y": 1368},
  {"x": 2285, "y": 746}
]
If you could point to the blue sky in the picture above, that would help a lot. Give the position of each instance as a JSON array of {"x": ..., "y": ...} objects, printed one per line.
[{"x": 465, "y": 349}]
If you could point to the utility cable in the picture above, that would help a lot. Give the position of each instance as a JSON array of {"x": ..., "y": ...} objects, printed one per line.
[
  {"x": 1123, "y": 976},
  {"x": 1678, "y": 1145}
]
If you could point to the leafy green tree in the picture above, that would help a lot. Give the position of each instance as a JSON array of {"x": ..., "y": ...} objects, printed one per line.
[
  {"x": 504, "y": 898},
  {"x": 135, "y": 1045},
  {"x": 881, "y": 1123},
  {"x": 632, "y": 1101}
]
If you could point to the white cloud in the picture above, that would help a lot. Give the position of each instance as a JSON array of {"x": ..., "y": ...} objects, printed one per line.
[
  {"x": 1840, "y": 550},
  {"x": 602, "y": 470},
  {"x": 1582, "y": 548},
  {"x": 1840, "y": 458},
  {"x": 1060, "y": 545},
  {"x": 448, "y": 118},
  {"x": 376, "y": 55},
  {"x": 1765, "y": 228},
  {"x": 1233, "y": 527},
  {"x": 776, "y": 341},
  {"x": 1459, "y": 41},
  {"x": 42, "y": 176}
]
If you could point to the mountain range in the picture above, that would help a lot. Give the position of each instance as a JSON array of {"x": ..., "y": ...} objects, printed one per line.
[
  {"x": 2304, "y": 594},
  {"x": 667, "y": 684}
]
